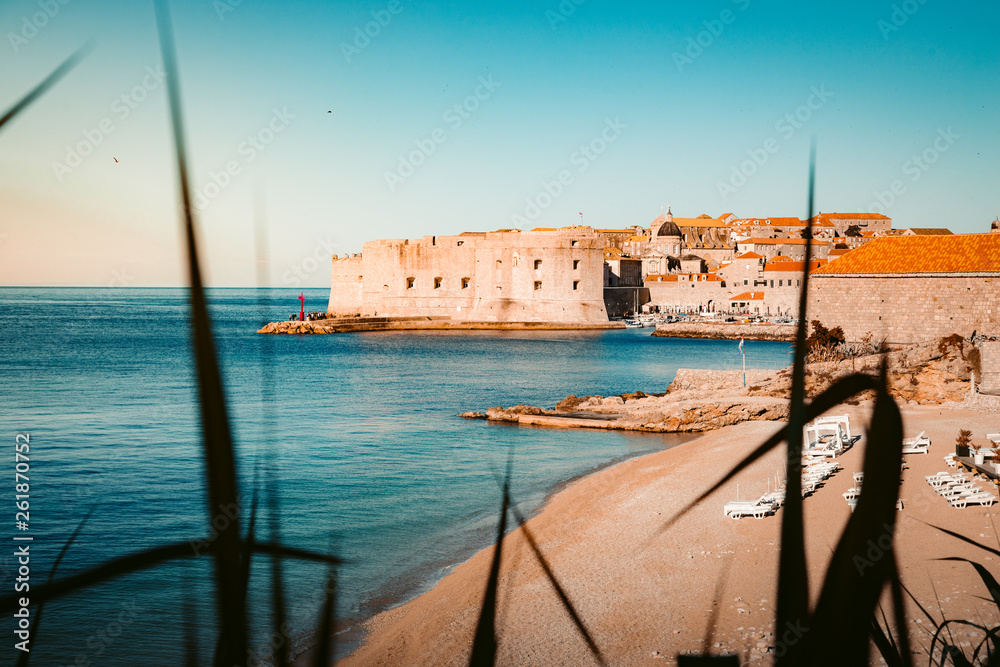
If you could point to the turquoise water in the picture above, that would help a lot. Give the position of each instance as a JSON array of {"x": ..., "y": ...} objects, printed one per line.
[{"x": 361, "y": 430}]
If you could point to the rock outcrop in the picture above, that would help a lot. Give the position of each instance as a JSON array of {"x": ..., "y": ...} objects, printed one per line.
[{"x": 726, "y": 330}]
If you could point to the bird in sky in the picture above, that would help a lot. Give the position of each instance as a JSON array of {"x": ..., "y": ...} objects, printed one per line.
[{"x": 115, "y": 159}]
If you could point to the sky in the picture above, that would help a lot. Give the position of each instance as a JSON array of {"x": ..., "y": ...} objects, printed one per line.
[{"x": 336, "y": 123}]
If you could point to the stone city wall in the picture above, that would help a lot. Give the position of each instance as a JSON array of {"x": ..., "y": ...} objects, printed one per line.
[
  {"x": 687, "y": 295},
  {"x": 908, "y": 308},
  {"x": 551, "y": 276}
]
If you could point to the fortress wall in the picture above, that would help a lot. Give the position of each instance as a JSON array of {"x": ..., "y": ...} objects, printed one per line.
[
  {"x": 488, "y": 277},
  {"x": 685, "y": 294},
  {"x": 783, "y": 298},
  {"x": 345, "y": 286},
  {"x": 906, "y": 309}
]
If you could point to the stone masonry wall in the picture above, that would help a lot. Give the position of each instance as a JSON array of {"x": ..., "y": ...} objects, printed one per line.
[
  {"x": 906, "y": 309},
  {"x": 555, "y": 276}
]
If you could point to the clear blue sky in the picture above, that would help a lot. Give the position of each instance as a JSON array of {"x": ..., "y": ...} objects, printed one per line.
[{"x": 669, "y": 98}]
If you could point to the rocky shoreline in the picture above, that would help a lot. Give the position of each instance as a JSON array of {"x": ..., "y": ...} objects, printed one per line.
[
  {"x": 726, "y": 330},
  {"x": 352, "y": 324}
]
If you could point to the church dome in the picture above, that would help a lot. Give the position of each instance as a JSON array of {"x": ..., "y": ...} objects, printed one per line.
[{"x": 669, "y": 228}]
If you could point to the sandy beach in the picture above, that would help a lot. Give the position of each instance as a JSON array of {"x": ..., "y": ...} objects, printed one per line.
[{"x": 647, "y": 595}]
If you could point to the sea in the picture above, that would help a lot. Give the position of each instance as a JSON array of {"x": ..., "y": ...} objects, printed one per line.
[{"x": 351, "y": 443}]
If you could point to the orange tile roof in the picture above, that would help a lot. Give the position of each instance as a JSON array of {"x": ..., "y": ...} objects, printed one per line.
[
  {"x": 959, "y": 253},
  {"x": 853, "y": 216},
  {"x": 780, "y": 258},
  {"x": 748, "y": 296},
  {"x": 699, "y": 222},
  {"x": 750, "y": 255},
  {"x": 756, "y": 241},
  {"x": 928, "y": 231},
  {"x": 792, "y": 266}
]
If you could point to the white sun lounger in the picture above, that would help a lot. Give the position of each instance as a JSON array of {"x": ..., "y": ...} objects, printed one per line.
[
  {"x": 982, "y": 498},
  {"x": 918, "y": 448},
  {"x": 738, "y": 509},
  {"x": 825, "y": 439},
  {"x": 921, "y": 439},
  {"x": 845, "y": 425}
]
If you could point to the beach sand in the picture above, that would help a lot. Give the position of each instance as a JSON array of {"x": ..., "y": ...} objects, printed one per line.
[{"x": 647, "y": 595}]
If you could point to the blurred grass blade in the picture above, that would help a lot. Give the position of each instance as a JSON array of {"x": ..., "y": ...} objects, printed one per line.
[
  {"x": 143, "y": 560},
  {"x": 22, "y": 660},
  {"x": 563, "y": 597},
  {"x": 713, "y": 616},
  {"x": 899, "y": 610},
  {"x": 793, "y": 581},
  {"x": 325, "y": 651},
  {"x": 484, "y": 644},
  {"x": 884, "y": 644},
  {"x": 220, "y": 460},
  {"x": 50, "y": 80},
  {"x": 858, "y": 571}
]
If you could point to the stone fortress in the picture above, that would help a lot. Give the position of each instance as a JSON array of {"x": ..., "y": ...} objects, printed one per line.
[
  {"x": 915, "y": 284},
  {"x": 503, "y": 276}
]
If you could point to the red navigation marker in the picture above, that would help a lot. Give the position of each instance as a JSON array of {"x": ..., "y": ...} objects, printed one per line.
[{"x": 302, "y": 308}]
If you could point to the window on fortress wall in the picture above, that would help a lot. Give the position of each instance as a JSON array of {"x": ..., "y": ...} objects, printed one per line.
[
  {"x": 460, "y": 243},
  {"x": 465, "y": 283},
  {"x": 410, "y": 282},
  {"x": 576, "y": 264},
  {"x": 437, "y": 283},
  {"x": 745, "y": 282},
  {"x": 538, "y": 264},
  {"x": 538, "y": 285},
  {"x": 574, "y": 243},
  {"x": 772, "y": 283},
  {"x": 576, "y": 284}
]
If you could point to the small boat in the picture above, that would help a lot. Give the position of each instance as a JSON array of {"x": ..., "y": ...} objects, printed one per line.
[{"x": 633, "y": 323}]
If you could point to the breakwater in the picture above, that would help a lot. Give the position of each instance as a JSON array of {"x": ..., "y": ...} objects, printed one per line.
[
  {"x": 349, "y": 324},
  {"x": 726, "y": 330}
]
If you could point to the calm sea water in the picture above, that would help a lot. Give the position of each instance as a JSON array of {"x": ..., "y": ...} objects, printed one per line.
[{"x": 360, "y": 429}]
